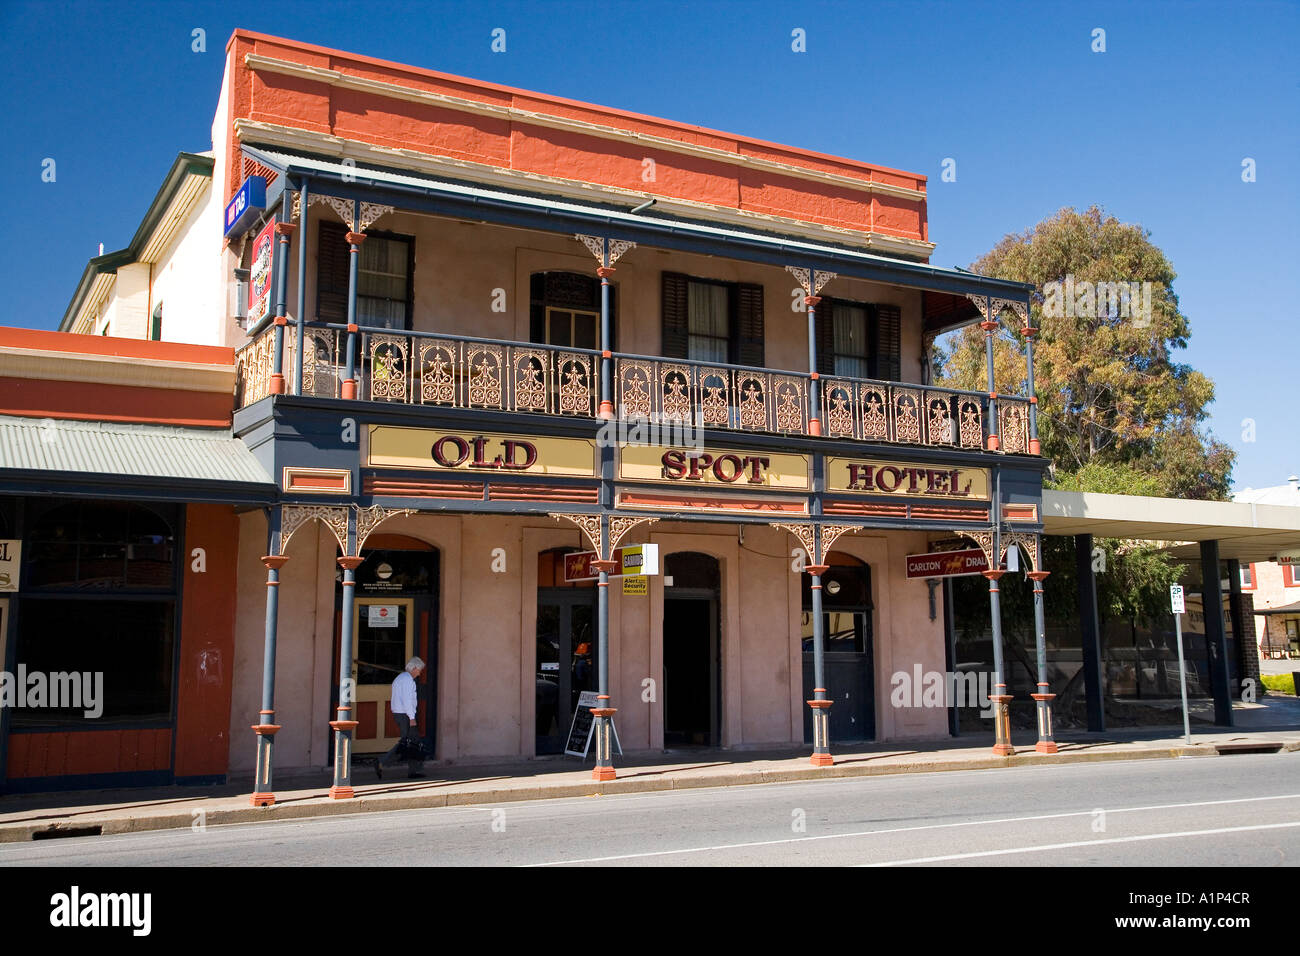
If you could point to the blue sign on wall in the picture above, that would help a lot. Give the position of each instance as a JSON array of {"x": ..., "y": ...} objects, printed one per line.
[{"x": 242, "y": 211}]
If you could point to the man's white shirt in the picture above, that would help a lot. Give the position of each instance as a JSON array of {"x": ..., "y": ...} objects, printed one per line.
[{"x": 404, "y": 695}]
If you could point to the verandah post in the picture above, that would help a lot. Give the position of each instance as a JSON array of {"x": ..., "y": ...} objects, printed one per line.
[{"x": 266, "y": 727}]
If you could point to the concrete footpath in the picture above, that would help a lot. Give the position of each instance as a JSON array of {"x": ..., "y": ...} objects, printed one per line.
[{"x": 1272, "y": 727}]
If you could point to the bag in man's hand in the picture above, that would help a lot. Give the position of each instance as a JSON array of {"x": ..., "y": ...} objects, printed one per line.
[{"x": 413, "y": 748}]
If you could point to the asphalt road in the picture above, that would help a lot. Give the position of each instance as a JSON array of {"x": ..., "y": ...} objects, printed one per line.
[{"x": 1240, "y": 810}]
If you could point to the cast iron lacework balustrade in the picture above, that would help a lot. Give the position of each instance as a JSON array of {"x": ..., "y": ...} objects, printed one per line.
[
  {"x": 903, "y": 414},
  {"x": 421, "y": 368},
  {"x": 715, "y": 396}
]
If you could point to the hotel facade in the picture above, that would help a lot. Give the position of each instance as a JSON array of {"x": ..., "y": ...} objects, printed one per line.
[{"x": 486, "y": 345}]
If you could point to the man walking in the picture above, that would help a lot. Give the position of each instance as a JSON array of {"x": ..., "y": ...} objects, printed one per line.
[{"x": 403, "y": 705}]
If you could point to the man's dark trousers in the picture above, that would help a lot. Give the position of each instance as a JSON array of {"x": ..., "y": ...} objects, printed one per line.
[{"x": 406, "y": 731}]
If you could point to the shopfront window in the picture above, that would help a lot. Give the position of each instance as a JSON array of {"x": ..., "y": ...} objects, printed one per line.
[{"x": 96, "y": 631}]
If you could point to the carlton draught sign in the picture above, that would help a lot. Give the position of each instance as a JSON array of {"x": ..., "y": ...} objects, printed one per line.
[{"x": 947, "y": 564}]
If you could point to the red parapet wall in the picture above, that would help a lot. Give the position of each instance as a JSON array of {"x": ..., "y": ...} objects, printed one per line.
[{"x": 554, "y": 137}]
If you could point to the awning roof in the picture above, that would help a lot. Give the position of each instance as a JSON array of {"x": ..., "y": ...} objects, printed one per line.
[
  {"x": 1246, "y": 532},
  {"x": 499, "y": 205},
  {"x": 137, "y": 460},
  {"x": 1284, "y": 609}
]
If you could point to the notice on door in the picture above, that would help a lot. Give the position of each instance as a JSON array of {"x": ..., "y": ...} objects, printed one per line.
[{"x": 382, "y": 615}]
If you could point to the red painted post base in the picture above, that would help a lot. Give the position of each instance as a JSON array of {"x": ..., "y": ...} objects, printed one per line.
[
  {"x": 341, "y": 793},
  {"x": 1001, "y": 725},
  {"x": 603, "y": 773},
  {"x": 814, "y": 426},
  {"x": 277, "y": 384},
  {"x": 1035, "y": 447},
  {"x": 604, "y": 769},
  {"x": 348, "y": 389},
  {"x": 262, "y": 799},
  {"x": 1046, "y": 747},
  {"x": 822, "y": 760},
  {"x": 606, "y": 410},
  {"x": 994, "y": 443},
  {"x": 821, "y": 755}
]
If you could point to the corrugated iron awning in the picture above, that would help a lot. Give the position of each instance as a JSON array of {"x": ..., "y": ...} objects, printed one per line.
[{"x": 62, "y": 450}]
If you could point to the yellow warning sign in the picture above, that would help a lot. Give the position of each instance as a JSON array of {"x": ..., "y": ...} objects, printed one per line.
[{"x": 637, "y": 585}]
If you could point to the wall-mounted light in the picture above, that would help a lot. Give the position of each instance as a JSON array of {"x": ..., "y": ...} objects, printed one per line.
[{"x": 832, "y": 587}]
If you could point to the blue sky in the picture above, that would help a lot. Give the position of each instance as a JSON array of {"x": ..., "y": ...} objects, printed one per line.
[{"x": 1155, "y": 129}]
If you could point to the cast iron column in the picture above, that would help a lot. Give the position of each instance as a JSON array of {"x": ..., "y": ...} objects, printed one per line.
[
  {"x": 354, "y": 239},
  {"x": 989, "y": 325},
  {"x": 301, "y": 318},
  {"x": 604, "y": 769},
  {"x": 814, "y": 409},
  {"x": 283, "y": 230},
  {"x": 1216, "y": 642},
  {"x": 346, "y": 724},
  {"x": 820, "y": 704},
  {"x": 266, "y": 727},
  {"x": 1035, "y": 448},
  {"x": 1089, "y": 625},
  {"x": 999, "y": 698},
  {"x": 606, "y": 356},
  {"x": 1043, "y": 699}
]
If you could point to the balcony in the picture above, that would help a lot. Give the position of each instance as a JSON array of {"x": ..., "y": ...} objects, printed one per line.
[{"x": 436, "y": 370}]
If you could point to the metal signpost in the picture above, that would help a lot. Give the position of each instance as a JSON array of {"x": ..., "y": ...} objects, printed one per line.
[{"x": 1179, "y": 606}]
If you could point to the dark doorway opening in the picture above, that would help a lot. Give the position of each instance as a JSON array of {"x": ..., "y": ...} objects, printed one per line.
[
  {"x": 847, "y": 613},
  {"x": 692, "y": 652},
  {"x": 566, "y": 649}
]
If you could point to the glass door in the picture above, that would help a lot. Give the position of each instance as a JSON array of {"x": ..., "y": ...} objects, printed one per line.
[
  {"x": 566, "y": 661},
  {"x": 383, "y": 640}
]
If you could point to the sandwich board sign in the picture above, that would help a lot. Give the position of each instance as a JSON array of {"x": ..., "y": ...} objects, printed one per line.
[{"x": 584, "y": 723}]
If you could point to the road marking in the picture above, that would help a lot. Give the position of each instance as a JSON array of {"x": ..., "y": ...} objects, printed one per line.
[
  {"x": 931, "y": 826},
  {"x": 1079, "y": 843}
]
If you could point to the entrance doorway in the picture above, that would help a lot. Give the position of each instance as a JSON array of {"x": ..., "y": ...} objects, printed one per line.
[
  {"x": 395, "y": 619},
  {"x": 566, "y": 649},
  {"x": 692, "y": 675},
  {"x": 847, "y": 613}
]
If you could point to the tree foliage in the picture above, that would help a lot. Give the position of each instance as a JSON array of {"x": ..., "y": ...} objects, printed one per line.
[{"x": 1110, "y": 391}]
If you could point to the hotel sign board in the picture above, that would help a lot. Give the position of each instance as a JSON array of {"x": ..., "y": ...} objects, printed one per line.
[
  {"x": 947, "y": 564},
  {"x": 906, "y": 479},
  {"x": 393, "y": 446},
  {"x": 11, "y": 553},
  {"x": 693, "y": 467}
]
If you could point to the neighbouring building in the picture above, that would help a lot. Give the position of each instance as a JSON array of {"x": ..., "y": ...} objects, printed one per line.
[
  {"x": 120, "y": 483},
  {"x": 1275, "y": 585}
]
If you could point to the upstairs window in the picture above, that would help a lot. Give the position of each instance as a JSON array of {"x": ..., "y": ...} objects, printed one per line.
[
  {"x": 385, "y": 278},
  {"x": 565, "y": 310},
  {"x": 708, "y": 321},
  {"x": 859, "y": 340}
]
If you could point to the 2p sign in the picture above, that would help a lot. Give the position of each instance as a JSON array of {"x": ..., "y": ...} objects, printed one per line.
[{"x": 1176, "y": 598}]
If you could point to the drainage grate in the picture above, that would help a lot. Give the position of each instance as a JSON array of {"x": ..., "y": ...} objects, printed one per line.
[{"x": 58, "y": 833}]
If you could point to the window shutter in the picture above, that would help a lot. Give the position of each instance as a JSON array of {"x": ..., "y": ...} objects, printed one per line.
[
  {"x": 332, "y": 252},
  {"x": 888, "y": 342},
  {"x": 676, "y": 319},
  {"x": 825, "y": 325},
  {"x": 749, "y": 324},
  {"x": 537, "y": 308}
]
